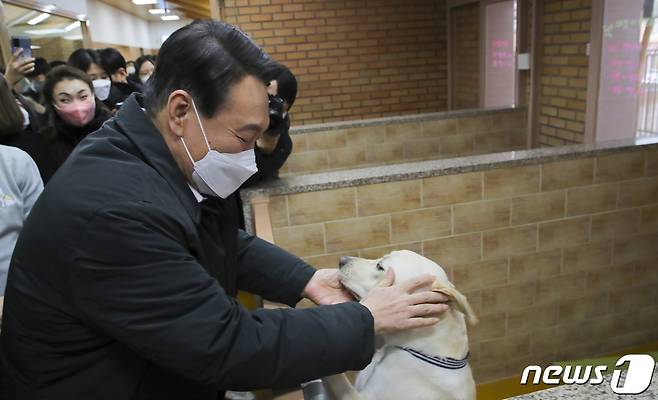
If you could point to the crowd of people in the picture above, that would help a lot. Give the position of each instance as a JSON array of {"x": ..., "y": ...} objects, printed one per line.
[{"x": 47, "y": 108}]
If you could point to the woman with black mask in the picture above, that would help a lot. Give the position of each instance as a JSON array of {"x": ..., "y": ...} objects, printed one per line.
[
  {"x": 115, "y": 65},
  {"x": 74, "y": 113}
]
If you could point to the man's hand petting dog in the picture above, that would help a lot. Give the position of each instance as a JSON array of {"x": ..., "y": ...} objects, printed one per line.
[
  {"x": 406, "y": 305},
  {"x": 325, "y": 288}
]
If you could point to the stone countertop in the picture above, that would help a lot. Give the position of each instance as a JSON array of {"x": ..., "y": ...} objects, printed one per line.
[
  {"x": 424, "y": 169},
  {"x": 401, "y": 119},
  {"x": 448, "y": 166},
  {"x": 590, "y": 392}
]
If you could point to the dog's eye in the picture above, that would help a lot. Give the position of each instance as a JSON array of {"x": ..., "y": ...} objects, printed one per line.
[{"x": 380, "y": 267}]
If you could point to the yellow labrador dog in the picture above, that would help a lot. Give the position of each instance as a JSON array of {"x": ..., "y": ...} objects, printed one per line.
[{"x": 428, "y": 363}]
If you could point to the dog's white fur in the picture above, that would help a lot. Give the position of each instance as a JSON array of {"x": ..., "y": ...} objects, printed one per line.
[{"x": 393, "y": 373}]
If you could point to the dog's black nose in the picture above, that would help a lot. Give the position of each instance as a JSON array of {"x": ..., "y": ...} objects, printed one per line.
[{"x": 343, "y": 261}]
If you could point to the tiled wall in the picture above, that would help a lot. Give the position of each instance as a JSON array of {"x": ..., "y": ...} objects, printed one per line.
[
  {"x": 565, "y": 28},
  {"x": 354, "y": 59},
  {"x": 559, "y": 260},
  {"x": 465, "y": 22},
  {"x": 402, "y": 142}
]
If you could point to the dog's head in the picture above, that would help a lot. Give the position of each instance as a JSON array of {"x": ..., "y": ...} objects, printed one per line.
[{"x": 360, "y": 275}]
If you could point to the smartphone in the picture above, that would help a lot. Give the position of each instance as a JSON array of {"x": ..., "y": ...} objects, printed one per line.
[{"x": 22, "y": 42}]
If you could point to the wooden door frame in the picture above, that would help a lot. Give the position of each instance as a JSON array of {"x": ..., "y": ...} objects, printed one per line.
[
  {"x": 594, "y": 71},
  {"x": 5, "y": 41},
  {"x": 535, "y": 74},
  {"x": 33, "y": 5},
  {"x": 450, "y": 5}
]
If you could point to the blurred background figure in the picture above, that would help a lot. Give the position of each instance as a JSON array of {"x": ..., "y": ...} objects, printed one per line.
[
  {"x": 20, "y": 186},
  {"x": 20, "y": 123},
  {"x": 130, "y": 67},
  {"x": 275, "y": 145},
  {"x": 144, "y": 67},
  {"x": 56, "y": 63},
  {"x": 74, "y": 113},
  {"x": 115, "y": 66},
  {"x": 36, "y": 78},
  {"x": 88, "y": 61}
]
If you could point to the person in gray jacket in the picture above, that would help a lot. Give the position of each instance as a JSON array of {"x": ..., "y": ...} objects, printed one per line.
[
  {"x": 20, "y": 187},
  {"x": 123, "y": 281}
]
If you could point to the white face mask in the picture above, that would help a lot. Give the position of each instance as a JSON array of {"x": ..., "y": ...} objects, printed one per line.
[
  {"x": 130, "y": 70},
  {"x": 102, "y": 88},
  {"x": 220, "y": 174},
  {"x": 144, "y": 78}
]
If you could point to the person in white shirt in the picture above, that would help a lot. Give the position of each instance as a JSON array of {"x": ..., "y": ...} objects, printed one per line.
[{"x": 20, "y": 186}]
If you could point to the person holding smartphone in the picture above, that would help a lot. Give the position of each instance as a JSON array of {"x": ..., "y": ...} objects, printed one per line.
[{"x": 18, "y": 67}]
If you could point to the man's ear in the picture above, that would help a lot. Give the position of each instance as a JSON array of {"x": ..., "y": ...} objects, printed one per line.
[
  {"x": 457, "y": 299},
  {"x": 178, "y": 109}
]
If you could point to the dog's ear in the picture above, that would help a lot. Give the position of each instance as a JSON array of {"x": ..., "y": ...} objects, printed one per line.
[{"x": 457, "y": 300}]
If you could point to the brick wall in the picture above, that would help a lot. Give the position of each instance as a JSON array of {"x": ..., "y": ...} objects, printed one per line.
[
  {"x": 423, "y": 138},
  {"x": 354, "y": 59},
  {"x": 559, "y": 259},
  {"x": 465, "y": 22},
  {"x": 565, "y": 28}
]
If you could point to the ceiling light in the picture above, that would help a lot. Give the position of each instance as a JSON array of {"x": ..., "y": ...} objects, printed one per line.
[
  {"x": 156, "y": 11},
  {"x": 144, "y": 2},
  {"x": 38, "y": 19},
  {"x": 170, "y": 18},
  {"x": 49, "y": 8},
  {"x": 35, "y": 47},
  {"x": 38, "y": 32},
  {"x": 21, "y": 18},
  {"x": 72, "y": 26}
]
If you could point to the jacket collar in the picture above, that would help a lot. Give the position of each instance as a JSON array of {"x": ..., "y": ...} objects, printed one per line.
[{"x": 139, "y": 128}]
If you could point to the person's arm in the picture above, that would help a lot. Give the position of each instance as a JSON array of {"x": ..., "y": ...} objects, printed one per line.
[
  {"x": 17, "y": 68},
  {"x": 271, "y": 272},
  {"x": 133, "y": 280},
  {"x": 31, "y": 185}
]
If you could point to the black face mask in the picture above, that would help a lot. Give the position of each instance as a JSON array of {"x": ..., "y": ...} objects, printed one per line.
[{"x": 279, "y": 121}]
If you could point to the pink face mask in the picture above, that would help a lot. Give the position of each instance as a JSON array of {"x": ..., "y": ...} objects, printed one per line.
[{"x": 79, "y": 113}]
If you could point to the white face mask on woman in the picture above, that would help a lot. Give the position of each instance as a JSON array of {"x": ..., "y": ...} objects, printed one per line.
[
  {"x": 102, "y": 88},
  {"x": 220, "y": 174}
]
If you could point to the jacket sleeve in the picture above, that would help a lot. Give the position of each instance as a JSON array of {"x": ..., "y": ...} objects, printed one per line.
[
  {"x": 134, "y": 280},
  {"x": 271, "y": 272},
  {"x": 31, "y": 186}
]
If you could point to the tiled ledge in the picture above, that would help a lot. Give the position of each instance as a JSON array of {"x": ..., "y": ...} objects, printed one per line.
[
  {"x": 424, "y": 169},
  {"x": 401, "y": 119}
]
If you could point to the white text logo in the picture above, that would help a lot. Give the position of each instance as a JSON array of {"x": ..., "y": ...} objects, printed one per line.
[{"x": 638, "y": 376}]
